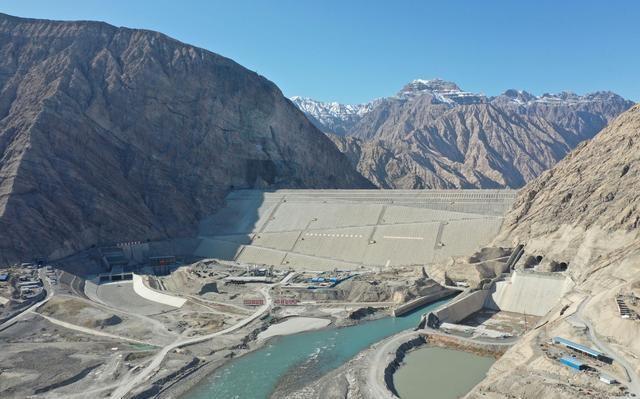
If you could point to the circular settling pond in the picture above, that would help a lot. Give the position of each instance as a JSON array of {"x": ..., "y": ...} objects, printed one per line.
[{"x": 433, "y": 372}]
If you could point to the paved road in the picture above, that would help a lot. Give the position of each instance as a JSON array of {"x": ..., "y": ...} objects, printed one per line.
[
  {"x": 509, "y": 341},
  {"x": 633, "y": 380}
]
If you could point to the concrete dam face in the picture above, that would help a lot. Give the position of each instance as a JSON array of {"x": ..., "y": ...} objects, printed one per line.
[
  {"x": 528, "y": 292},
  {"x": 327, "y": 229}
]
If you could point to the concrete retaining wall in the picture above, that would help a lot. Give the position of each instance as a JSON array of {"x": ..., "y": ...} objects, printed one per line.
[
  {"x": 422, "y": 301},
  {"x": 530, "y": 293},
  {"x": 462, "y": 307},
  {"x": 147, "y": 293}
]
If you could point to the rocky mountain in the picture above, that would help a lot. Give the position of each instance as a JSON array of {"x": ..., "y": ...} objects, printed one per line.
[
  {"x": 594, "y": 186},
  {"x": 586, "y": 212},
  {"x": 432, "y": 134},
  {"x": 122, "y": 134}
]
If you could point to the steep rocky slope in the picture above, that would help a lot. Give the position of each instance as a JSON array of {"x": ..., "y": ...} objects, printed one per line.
[
  {"x": 586, "y": 212},
  {"x": 119, "y": 134},
  {"x": 432, "y": 134},
  {"x": 596, "y": 185}
]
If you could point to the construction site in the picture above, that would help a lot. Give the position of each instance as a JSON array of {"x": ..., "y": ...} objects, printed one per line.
[{"x": 143, "y": 315}]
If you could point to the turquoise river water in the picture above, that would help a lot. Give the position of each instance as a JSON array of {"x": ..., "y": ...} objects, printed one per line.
[{"x": 298, "y": 359}]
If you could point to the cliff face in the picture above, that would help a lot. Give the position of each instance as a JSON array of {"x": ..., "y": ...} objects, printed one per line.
[{"x": 114, "y": 134}]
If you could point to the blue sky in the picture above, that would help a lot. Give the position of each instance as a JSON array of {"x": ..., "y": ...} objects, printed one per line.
[{"x": 356, "y": 50}]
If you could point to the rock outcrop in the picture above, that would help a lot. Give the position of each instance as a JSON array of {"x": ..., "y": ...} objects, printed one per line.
[{"x": 121, "y": 134}]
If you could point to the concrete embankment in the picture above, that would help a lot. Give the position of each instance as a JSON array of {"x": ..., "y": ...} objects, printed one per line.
[
  {"x": 141, "y": 289},
  {"x": 422, "y": 301},
  {"x": 439, "y": 340},
  {"x": 532, "y": 293},
  {"x": 393, "y": 366},
  {"x": 458, "y": 309}
]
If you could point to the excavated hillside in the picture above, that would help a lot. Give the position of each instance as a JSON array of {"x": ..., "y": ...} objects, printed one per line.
[
  {"x": 586, "y": 212},
  {"x": 121, "y": 134}
]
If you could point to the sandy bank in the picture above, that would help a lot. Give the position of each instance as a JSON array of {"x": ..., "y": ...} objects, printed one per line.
[{"x": 294, "y": 325}]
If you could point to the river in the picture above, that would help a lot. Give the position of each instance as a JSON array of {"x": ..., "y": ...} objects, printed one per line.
[{"x": 300, "y": 358}]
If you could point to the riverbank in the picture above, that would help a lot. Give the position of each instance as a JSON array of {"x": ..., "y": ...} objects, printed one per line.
[
  {"x": 240, "y": 345},
  {"x": 293, "y": 325}
]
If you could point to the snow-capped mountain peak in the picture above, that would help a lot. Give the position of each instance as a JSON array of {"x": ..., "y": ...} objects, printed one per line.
[
  {"x": 332, "y": 117},
  {"x": 442, "y": 91}
]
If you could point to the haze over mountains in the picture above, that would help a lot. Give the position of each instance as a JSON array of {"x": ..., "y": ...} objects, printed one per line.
[
  {"x": 432, "y": 134},
  {"x": 121, "y": 134}
]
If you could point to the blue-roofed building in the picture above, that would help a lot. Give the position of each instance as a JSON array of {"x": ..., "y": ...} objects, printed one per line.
[
  {"x": 573, "y": 363},
  {"x": 4, "y": 277},
  {"x": 585, "y": 350}
]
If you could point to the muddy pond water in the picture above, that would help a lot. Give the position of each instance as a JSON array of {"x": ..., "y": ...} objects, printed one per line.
[{"x": 434, "y": 372}]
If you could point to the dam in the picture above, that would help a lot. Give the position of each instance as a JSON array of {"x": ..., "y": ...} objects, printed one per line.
[
  {"x": 323, "y": 230},
  {"x": 347, "y": 229}
]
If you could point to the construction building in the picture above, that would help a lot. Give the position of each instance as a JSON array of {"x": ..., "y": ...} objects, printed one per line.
[
  {"x": 607, "y": 379},
  {"x": 573, "y": 363},
  {"x": 583, "y": 350}
]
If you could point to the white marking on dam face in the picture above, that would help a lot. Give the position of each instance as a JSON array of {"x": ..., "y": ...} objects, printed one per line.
[
  {"x": 334, "y": 235},
  {"x": 403, "y": 238}
]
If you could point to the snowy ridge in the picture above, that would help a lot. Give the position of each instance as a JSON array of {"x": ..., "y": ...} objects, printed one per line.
[
  {"x": 442, "y": 91},
  {"x": 345, "y": 119},
  {"x": 332, "y": 117},
  {"x": 338, "y": 118}
]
